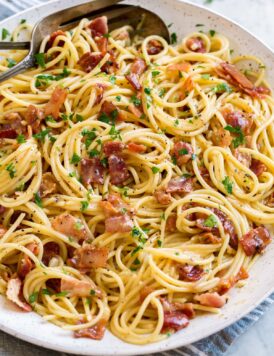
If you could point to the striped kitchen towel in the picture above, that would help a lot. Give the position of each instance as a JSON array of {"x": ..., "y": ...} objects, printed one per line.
[{"x": 214, "y": 345}]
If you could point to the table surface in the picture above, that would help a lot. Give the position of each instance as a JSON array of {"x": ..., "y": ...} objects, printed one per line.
[{"x": 257, "y": 17}]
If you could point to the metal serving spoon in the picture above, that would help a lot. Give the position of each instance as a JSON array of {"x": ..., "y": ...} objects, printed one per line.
[{"x": 118, "y": 15}]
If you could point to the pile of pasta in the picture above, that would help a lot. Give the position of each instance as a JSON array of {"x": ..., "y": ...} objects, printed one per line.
[{"x": 136, "y": 179}]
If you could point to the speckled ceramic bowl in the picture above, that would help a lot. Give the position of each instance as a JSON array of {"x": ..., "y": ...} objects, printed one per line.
[{"x": 31, "y": 327}]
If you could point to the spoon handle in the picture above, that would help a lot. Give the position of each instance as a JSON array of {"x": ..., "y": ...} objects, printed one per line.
[{"x": 14, "y": 45}]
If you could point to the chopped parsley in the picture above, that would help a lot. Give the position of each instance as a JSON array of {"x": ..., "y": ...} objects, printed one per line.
[
  {"x": 228, "y": 184},
  {"x": 50, "y": 118},
  {"x": 89, "y": 136},
  {"x": 222, "y": 87},
  {"x": 23, "y": 21},
  {"x": 42, "y": 135},
  {"x": 5, "y": 33},
  {"x": 33, "y": 297},
  {"x": 11, "y": 169},
  {"x": 20, "y": 138},
  {"x": 183, "y": 151},
  {"x": 147, "y": 91},
  {"x": 118, "y": 98},
  {"x": 240, "y": 139},
  {"x": 62, "y": 294},
  {"x": 173, "y": 38},
  {"x": 211, "y": 221},
  {"x": 155, "y": 170},
  {"x": 112, "y": 79},
  {"x": 93, "y": 153},
  {"x": 78, "y": 225},
  {"x": 45, "y": 291},
  {"x": 75, "y": 159},
  {"x": 11, "y": 62},
  {"x": 79, "y": 118},
  {"x": 159, "y": 243},
  {"x": 162, "y": 92},
  {"x": 155, "y": 73},
  {"x": 205, "y": 76},
  {"x": 40, "y": 59},
  {"x": 38, "y": 200},
  {"x": 139, "y": 235},
  {"x": 115, "y": 134},
  {"x": 45, "y": 79},
  {"x": 212, "y": 33},
  {"x": 92, "y": 292},
  {"x": 84, "y": 205},
  {"x": 136, "y": 101}
]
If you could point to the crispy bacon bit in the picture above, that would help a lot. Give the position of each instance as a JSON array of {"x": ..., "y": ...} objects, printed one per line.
[
  {"x": 2, "y": 210},
  {"x": 53, "y": 37},
  {"x": 88, "y": 257},
  {"x": 154, "y": 47},
  {"x": 270, "y": 200},
  {"x": 102, "y": 44},
  {"x": 15, "y": 122},
  {"x": 232, "y": 74},
  {"x": 244, "y": 158},
  {"x": 122, "y": 223},
  {"x": 162, "y": 196},
  {"x": 227, "y": 225},
  {"x": 180, "y": 185},
  {"x": 171, "y": 223},
  {"x": 169, "y": 307},
  {"x": 226, "y": 284},
  {"x": 14, "y": 294},
  {"x": 211, "y": 300},
  {"x": 238, "y": 119},
  {"x": 258, "y": 167},
  {"x": 113, "y": 148},
  {"x": 34, "y": 116},
  {"x": 55, "y": 103},
  {"x": 175, "y": 321},
  {"x": 3, "y": 230},
  {"x": 190, "y": 273},
  {"x": 221, "y": 137},
  {"x": 98, "y": 26},
  {"x": 76, "y": 287},
  {"x": 100, "y": 88},
  {"x": 117, "y": 169},
  {"x": 255, "y": 241},
  {"x": 144, "y": 292},
  {"x": 137, "y": 69},
  {"x": 25, "y": 265},
  {"x": 95, "y": 332},
  {"x": 115, "y": 206},
  {"x": 89, "y": 61},
  {"x": 136, "y": 147},
  {"x": 111, "y": 65},
  {"x": 176, "y": 68},
  {"x": 92, "y": 171},
  {"x": 196, "y": 44},
  {"x": 182, "y": 152},
  {"x": 48, "y": 185},
  {"x": 112, "y": 111},
  {"x": 70, "y": 226},
  {"x": 8, "y": 133},
  {"x": 51, "y": 249},
  {"x": 209, "y": 238}
]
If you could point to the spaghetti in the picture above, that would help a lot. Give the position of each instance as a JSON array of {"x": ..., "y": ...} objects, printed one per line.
[{"x": 136, "y": 179}]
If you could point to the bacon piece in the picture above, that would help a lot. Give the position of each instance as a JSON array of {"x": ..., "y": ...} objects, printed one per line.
[
  {"x": 100, "y": 88},
  {"x": 154, "y": 47},
  {"x": 238, "y": 119},
  {"x": 211, "y": 300},
  {"x": 196, "y": 44},
  {"x": 48, "y": 185},
  {"x": 226, "y": 284},
  {"x": 95, "y": 332},
  {"x": 258, "y": 167},
  {"x": 255, "y": 241},
  {"x": 76, "y": 287},
  {"x": 176, "y": 68},
  {"x": 89, "y": 61},
  {"x": 51, "y": 249},
  {"x": 26, "y": 264},
  {"x": 55, "y": 103},
  {"x": 180, "y": 185},
  {"x": 102, "y": 44},
  {"x": 115, "y": 206},
  {"x": 122, "y": 223},
  {"x": 117, "y": 169},
  {"x": 15, "y": 122},
  {"x": 209, "y": 238},
  {"x": 34, "y": 116},
  {"x": 3, "y": 230},
  {"x": 89, "y": 257},
  {"x": 137, "y": 69},
  {"x": 190, "y": 273},
  {"x": 113, "y": 148},
  {"x": 14, "y": 288},
  {"x": 8, "y": 133},
  {"x": 53, "y": 37},
  {"x": 270, "y": 200},
  {"x": 171, "y": 223},
  {"x": 175, "y": 321},
  {"x": 98, "y": 26},
  {"x": 162, "y": 196},
  {"x": 186, "y": 308},
  {"x": 111, "y": 65},
  {"x": 182, "y": 152},
  {"x": 2, "y": 210},
  {"x": 92, "y": 171},
  {"x": 112, "y": 111},
  {"x": 232, "y": 74},
  {"x": 136, "y": 147},
  {"x": 70, "y": 226},
  {"x": 221, "y": 137},
  {"x": 244, "y": 158},
  {"x": 144, "y": 292}
]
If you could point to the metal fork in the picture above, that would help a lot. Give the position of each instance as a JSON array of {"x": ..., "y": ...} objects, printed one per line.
[{"x": 118, "y": 15}]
